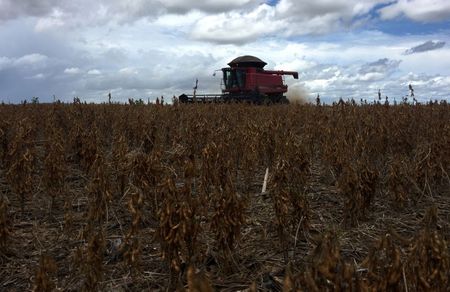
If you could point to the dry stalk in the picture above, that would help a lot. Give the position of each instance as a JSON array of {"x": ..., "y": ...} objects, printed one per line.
[
  {"x": 178, "y": 227},
  {"x": 92, "y": 261},
  {"x": 131, "y": 248},
  {"x": 21, "y": 164},
  {"x": 5, "y": 224},
  {"x": 55, "y": 169},
  {"x": 227, "y": 220},
  {"x": 43, "y": 281},
  {"x": 99, "y": 192}
]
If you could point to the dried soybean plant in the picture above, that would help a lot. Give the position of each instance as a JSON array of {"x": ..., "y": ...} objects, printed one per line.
[
  {"x": 357, "y": 185},
  {"x": 43, "y": 280},
  {"x": 3, "y": 142},
  {"x": 198, "y": 282},
  {"x": 228, "y": 205},
  {"x": 5, "y": 224},
  {"x": 179, "y": 227},
  {"x": 21, "y": 163},
  {"x": 399, "y": 186},
  {"x": 119, "y": 160},
  {"x": 99, "y": 192},
  {"x": 193, "y": 169},
  {"x": 145, "y": 172},
  {"x": 131, "y": 248},
  {"x": 328, "y": 270},
  {"x": 227, "y": 219},
  {"x": 385, "y": 266},
  {"x": 85, "y": 146},
  {"x": 209, "y": 168},
  {"x": 55, "y": 169},
  {"x": 249, "y": 158},
  {"x": 427, "y": 168},
  {"x": 89, "y": 257},
  {"x": 281, "y": 204},
  {"x": 292, "y": 213},
  {"x": 89, "y": 261},
  {"x": 429, "y": 260}
]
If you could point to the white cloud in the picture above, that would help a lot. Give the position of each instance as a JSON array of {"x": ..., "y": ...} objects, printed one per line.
[
  {"x": 296, "y": 65},
  {"x": 205, "y": 5},
  {"x": 287, "y": 18},
  {"x": 371, "y": 76},
  {"x": 431, "y": 62},
  {"x": 55, "y": 13},
  {"x": 94, "y": 72},
  {"x": 216, "y": 20},
  {"x": 53, "y": 21},
  {"x": 418, "y": 10},
  {"x": 72, "y": 70},
  {"x": 129, "y": 71},
  {"x": 38, "y": 76},
  {"x": 380, "y": 66},
  {"x": 318, "y": 85},
  {"x": 31, "y": 59},
  {"x": 248, "y": 19},
  {"x": 27, "y": 61},
  {"x": 183, "y": 23},
  {"x": 5, "y": 62},
  {"x": 10, "y": 9},
  {"x": 235, "y": 27}
]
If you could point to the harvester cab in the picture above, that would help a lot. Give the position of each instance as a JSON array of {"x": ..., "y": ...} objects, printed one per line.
[{"x": 246, "y": 80}]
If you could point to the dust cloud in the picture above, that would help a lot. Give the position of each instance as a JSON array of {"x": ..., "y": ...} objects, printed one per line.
[{"x": 297, "y": 95}]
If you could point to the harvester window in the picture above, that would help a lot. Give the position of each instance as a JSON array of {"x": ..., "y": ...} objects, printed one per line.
[
  {"x": 240, "y": 77},
  {"x": 233, "y": 78},
  {"x": 227, "y": 78}
]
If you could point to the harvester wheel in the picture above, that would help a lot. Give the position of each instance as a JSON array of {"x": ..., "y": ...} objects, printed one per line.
[
  {"x": 284, "y": 100},
  {"x": 266, "y": 101}
]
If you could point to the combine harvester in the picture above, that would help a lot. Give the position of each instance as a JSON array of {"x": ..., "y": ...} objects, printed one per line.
[{"x": 246, "y": 81}]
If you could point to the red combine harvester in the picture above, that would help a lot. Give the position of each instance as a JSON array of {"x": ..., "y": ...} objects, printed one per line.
[{"x": 246, "y": 81}]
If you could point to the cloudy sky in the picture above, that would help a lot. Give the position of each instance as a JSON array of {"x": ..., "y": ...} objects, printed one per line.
[{"x": 148, "y": 48}]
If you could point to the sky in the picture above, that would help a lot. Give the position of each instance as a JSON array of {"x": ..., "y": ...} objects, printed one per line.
[{"x": 148, "y": 48}]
